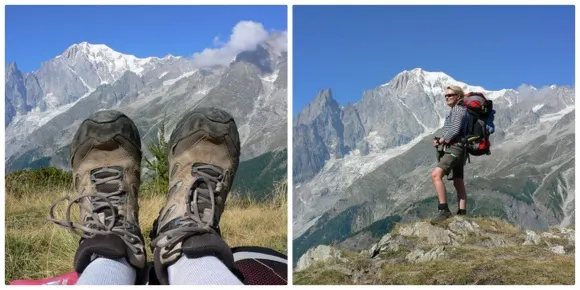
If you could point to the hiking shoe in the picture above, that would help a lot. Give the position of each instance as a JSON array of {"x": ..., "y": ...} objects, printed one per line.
[
  {"x": 204, "y": 151},
  {"x": 443, "y": 215},
  {"x": 105, "y": 157}
]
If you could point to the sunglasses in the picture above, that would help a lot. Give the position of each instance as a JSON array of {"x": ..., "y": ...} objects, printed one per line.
[{"x": 450, "y": 95}]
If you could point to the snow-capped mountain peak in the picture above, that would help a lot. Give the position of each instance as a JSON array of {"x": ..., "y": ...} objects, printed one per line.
[
  {"x": 421, "y": 74},
  {"x": 102, "y": 56},
  {"x": 434, "y": 82}
]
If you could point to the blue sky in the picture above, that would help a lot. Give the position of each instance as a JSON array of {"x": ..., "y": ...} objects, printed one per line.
[
  {"x": 355, "y": 48},
  {"x": 38, "y": 33}
]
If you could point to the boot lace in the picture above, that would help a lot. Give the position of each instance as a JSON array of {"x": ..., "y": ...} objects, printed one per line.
[
  {"x": 104, "y": 219},
  {"x": 203, "y": 191}
]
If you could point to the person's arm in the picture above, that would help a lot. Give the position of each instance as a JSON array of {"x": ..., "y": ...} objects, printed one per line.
[{"x": 457, "y": 117}]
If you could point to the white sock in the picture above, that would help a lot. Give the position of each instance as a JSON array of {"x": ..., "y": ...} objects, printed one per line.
[{"x": 207, "y": 270}]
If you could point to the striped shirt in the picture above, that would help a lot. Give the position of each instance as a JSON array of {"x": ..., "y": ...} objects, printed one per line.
[{"x": 454, "y": 123}]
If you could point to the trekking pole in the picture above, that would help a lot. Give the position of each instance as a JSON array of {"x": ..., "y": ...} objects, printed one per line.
[{"x": 437, "y": 154}]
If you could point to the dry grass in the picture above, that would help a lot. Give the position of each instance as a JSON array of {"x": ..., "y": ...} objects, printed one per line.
[
  {"x": 511, "y": 265},
  {"x": 465, "y": 264},
  {"x": 38, "y": 249},
  {"x": 323, "y": 276},
  {"x": 520, "y": 265}
]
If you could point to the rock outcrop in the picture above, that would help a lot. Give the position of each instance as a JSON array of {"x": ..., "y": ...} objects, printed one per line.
[
  {"x": 459, "y": 251},
  {"x": 319, "y": 254}
]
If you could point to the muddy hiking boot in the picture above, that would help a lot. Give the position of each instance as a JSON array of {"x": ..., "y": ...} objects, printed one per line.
[
  {"x": 105, "y": 157},
  {"x": 443, "y": 215},
  {"x": 204, "y": 151}
]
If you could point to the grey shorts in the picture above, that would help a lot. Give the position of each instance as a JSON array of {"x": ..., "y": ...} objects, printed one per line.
[{"x": 452, "y": 160}]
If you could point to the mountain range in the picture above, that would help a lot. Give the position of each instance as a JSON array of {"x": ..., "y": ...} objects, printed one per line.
[
  {"x": 360, "y": 168},
  {"x": 45, "y": 107}
]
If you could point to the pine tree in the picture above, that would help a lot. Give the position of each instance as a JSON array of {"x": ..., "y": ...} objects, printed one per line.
[{"x": 157, "y": 166}]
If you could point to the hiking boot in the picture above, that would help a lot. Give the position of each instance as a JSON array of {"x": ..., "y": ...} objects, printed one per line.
[
  {"x": 105, "y": 157},
  {"x": 204, "y": 151},
  {"x": 443, "y": 215},
  {"x": 461, "y": 212}
]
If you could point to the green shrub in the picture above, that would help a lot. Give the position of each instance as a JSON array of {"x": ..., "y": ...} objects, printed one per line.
[
  {"x": 28, "y": 181},
  {"x": 157, "y": 167}
]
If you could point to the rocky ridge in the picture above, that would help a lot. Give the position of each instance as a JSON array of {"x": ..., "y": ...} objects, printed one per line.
[{"x": 461, "y": 250}]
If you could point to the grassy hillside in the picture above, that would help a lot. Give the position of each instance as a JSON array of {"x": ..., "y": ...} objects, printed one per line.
[
  {"x": 37, "y": 249},
  {"x": 256, "y": 177},
  {"x": 337, "y": 228},
  {"x": 459, "y": 251}
]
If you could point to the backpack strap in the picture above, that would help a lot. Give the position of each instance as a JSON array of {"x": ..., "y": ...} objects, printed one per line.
[
  {"x": 465, "y": 142},
  {"x": 466, "y": 121}
]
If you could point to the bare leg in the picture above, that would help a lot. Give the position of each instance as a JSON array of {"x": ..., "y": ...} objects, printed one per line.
[
  {"x": 444, "y": 213},
  {"x": 461, "y": 193},
  {"x": 437, "y": 177}
]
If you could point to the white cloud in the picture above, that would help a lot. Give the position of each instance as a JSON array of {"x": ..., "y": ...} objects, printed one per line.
[
  {"x": 246, "y": 35},
  {"x": 280, "y": 42}
]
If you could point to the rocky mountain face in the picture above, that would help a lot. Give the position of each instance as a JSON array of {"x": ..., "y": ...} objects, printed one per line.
[
  {"x": 459, "y": 251},
  {"x": 368, "y": 164},
  {"x": 44, "y": 107}
]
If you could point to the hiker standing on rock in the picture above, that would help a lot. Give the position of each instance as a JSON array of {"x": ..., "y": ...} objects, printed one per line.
[{"x": 451, "y": 154}]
